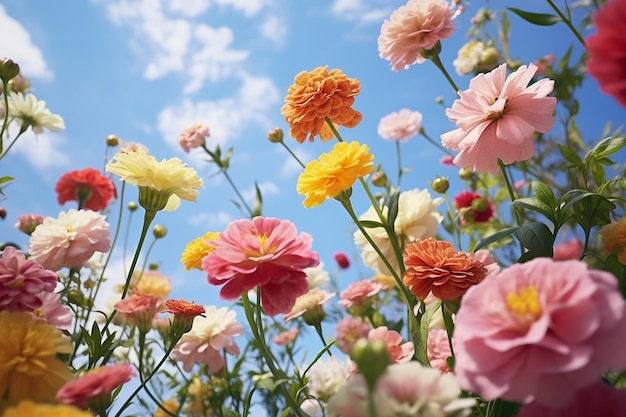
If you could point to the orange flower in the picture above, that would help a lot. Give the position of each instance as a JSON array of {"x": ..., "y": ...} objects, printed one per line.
[
  {"x": 317, "y": 95},
  {"x": 435, "y": 266},
  {"x": 184, "y": 312},
  {"x": 614, "y": 239}
]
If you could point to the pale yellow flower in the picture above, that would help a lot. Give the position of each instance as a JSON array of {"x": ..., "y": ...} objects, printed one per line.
[
  {"x": 154, "y": 284},
  {"x": 30, "y": 112},
  {"x": 198, "y": 249}
]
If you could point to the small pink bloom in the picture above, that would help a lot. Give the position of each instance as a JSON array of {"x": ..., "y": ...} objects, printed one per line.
[
  {"x": 473, "y": 207},
  {"x": 193, "y": 137},
  {"x": 54, "y": 312},
  {"x": 286, "y": 337},
  {"x": 262, "y": 252},
  {"x": 342, "y": 260},
  {"x": 519, "y": 184},
  {"x": 139, "y": 309},
  {"x": 96, "y": 382},
  {"x": 400, "y": 126},
  {"x": 447, "y": 161},
  {"x": 572, "y": 249},
  {"x": 27, "y": 223},
  {"x": 70, "y": 240},
  {"x": 348, "y": 331},
  {"x": 497, "y": 118},
  {"x": 359, "y": 293},
  {"x": 539, "y": 331},
  {"x": 438, "y": 349},
  {"x": 544, "y": 62},
  {"x": 413, "y": 28},
  {"x": 309, "y": 306},
  {"x": 398, "y": 352},
  {"x": 23, "y": 282},
  {"x": 606, "y": 49}
]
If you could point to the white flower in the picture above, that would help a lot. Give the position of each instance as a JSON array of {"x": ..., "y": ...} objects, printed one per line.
[
  {"x": 29, "y": 111},
  {"x": 317, "y": 276},
  {"x": 417, "y": 219},
  {"x": 400, "y": 126},
  {"x": 469, "y": 57},
  {"x": 325, "y": 379}
]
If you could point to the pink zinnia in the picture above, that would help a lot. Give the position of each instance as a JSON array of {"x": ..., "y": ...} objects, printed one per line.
[
  {"x": 400, "y": 126},
  {"x": 286, "y": 337},
  {"x": 193, "y": 137},
  {"x": 497, "y": 118},
  {"x": 23, "y": 282},
  {"x": 96, "y": 382},
  {"x": 539, "y": 331},
  {"x": 412, "y": 29},
  {"x": 607, "y": 49},
  {"x": 349, "y": 330},
  {"x": 139, "y": 309},
  {"x": 359, "y": 293},
  {"x": 70, "y": 240},
  {"x": 438, "y": 349},
  {"x": 262, "y": 252},
  {"x": 398, "y": 352},
  {"x": 54, "y": 311},
  {"x": 28, "y": 222}
]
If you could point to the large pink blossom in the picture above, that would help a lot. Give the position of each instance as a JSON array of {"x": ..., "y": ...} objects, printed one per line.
[
  {"x": 413, "y": 28},
  {"x": 400, "y": 126},
  {"x": 540, "y": 331},
  {"x": 263, "y": 252},
  {"x": 23, "y": 282},
  {"x": 96, "y": 382},
  {"x": 607, "y": 49},
  {"x": 398, "y": 352},
  {"x": 70, "y": 240},
  {"x": 207, "y": 338},
  {"x": 497, "y": 118}
]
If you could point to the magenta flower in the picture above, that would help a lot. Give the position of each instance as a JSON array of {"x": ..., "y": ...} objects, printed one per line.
[
  {"x": 262, "y": 252},
  {"x": 23, "y": 282},
  {"x": 400, "y": 126},
  {"x": 539, "y": 331},
  {"x": 193, "y": 137},
  {"x": 607, "y": 48},
  {"x": 95, "y": 383},
  {"x": 497, "y": 118},
  {"x": 412, "y": 29}
]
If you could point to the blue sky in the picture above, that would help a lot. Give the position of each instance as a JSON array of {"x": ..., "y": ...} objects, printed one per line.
[{"x": 145, "y": 69}]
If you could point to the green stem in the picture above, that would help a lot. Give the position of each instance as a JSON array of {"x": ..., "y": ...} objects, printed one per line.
[
  {"x": 371, "y": 403},
  {"x": 511, "y": 190},
  {"x": 5, "y": 122},
  {"x": 568, "y": 22},
  {"x": 292, "y": 154},
  {"x": 22, "y": 130},
  {"x": 453, "y": 220},
  {"x": 437, "y": 61},
  {"x": 399, "y": 162},
  {"x": 438, "y": 145},
  {"x": 320, "y": 333}
]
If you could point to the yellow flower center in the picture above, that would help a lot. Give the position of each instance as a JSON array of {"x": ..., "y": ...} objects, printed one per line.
[{"x": 525, "y": 303}]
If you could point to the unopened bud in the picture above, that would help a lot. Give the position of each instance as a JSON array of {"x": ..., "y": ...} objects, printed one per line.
[
  {"x": 76, "y": 296},
  {"x": 489, "y": 58},
  {"x": 440, "y": 185},
  {"x": 3, "y": 213},
  {"x": 132, "y": 206},
  {"x": 159, "y": 231},
  {"x": 275, "y": 135},
  {"x": 112, "y": 140},
  {"x": 465, "y": 173},
  {"x": 379, "y": 179},
  {"x": 8, "y": 69},
  {"x": 371, "y": 358}
]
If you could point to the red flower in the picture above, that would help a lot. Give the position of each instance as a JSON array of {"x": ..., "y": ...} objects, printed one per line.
[
  {"x": 342, "y": 260},
  {"x": 89, "y": 187},
  {"x": 607, "y": 49},
  {"x": 474, "y": 207}
]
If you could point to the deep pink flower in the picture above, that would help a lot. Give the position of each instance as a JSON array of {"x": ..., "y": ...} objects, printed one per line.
[
  {"x": 497, "y": 118},
  {"x": 342, "y": 260},
  {"x": 438, "y": 349},
  {"x": 262, "y": 252},
  {"x": 348, "y": 331},
  {"x": 413, "y": 28},
  {"x": 28, "y": 222},
  {"x": 193, "y": 137},
  {"x": 139, "y": 309},
  {"x": 96, "y": 382},
  {"x": 447, "y": 161},
  {"x": 54, "y": 311},
  {"x": 398, "y": 352},
  {"x": 70, "y": 240},
  {"x": 598, "y": 399},
  {"x": 607, "y": 49},
  {"x": 359, "y": 293},
  {"x": 473, "y": 207},
  {"x": 572, "y": 249},
  {"x": 286, "y": 337},
  {"x": 23, "y": 282},
  {"x": 539, "y": 331},
  {"x": 400, "y": 126}
]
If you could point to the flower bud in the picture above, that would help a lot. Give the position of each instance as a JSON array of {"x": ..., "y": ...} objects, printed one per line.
[
  {"x": 379, "y": 179},
  {"x": 465, "y": 173},
  {"x": 3, "y": 213},
  {"x": 489, "y": 59},
  {"x": 19, "y": 84},
  {"x": 371, "y": 358},
  {"x": 440, "y": 185},
  {"x": 132, "y": 206},
  {"x": 8, "y": 69},
  {"x": 275, "y": 135},
  {"x": 76, "y": 296},
  {"x": 112, "y": 140},
  {"x": 159, "y": 231}
]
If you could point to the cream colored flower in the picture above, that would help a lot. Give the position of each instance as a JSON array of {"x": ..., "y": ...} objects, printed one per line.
[{"x": 30, "y": 112}]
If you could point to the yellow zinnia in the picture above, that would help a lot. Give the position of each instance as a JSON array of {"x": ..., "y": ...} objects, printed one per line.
[
  {"x": 334, "y": 172},
  {"x": 198, "y": 249},
  {"x": 154, "y": 284},
  {"x": 29, "y": 367},
  {"x": 30, "y": 409},
  {"x": 157, "y": 181}
]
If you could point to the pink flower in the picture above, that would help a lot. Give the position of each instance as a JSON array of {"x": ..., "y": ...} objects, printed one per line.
[
  {"x": 139, "y": 309},
  {"x": 598, "y": 399},
  {"x": 348, "y": 331},
  {"x": 70, "y": 240},
  {"x": 497, "y": 118},
  {"x": 447, "y": 161},
  {"x": 27, "y": 223},
  {"x": 544, "y": 62},
  {"x": 572, "y": 249},
  {"x": 193, "y": 137},
  {"x": 262, "y": 252},
  {"x": 309, "y": 306},
  {"x": 54, "y": 311},
  {"x": 539, "y": 331},
  {"x": 342, "y": 260},
  {"x": 606, "y": 49},
  {"x": 400, "y": 126},
  {"x": 359, "y": 293},
  {"x": 473, "y": 207},
  {"x": 403, "y": 389},
  {"x": 96, "y": 382},
  {"x": 412, "y": 29},
  {"x": 207, "y": 338},
  {"x": 286, "y": 337},
  {"x": 398, "y": 352},
  {"x": 438, "y": 349},
  {"x": 23, "y": 282}
]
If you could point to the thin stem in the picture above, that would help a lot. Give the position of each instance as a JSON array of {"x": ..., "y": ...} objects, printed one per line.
[
  {"x": 438, "y": 145},
  {"x": 399, "y": 162},
  {"x": 292, "y": 154},
  {"x": 453, "y": 220},
  {"x": 568, "y": 22},
  {"x": 510, "y": 189},
  {"x": 320, "y": 333},
  {"x": 437, "y": 61},
  {"x": 22, "y": 130},
  {"x": 371, "y": 404},
  {"x": 5, "y": 122}
]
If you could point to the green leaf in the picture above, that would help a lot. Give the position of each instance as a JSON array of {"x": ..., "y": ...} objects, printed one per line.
[
  {"x": 537, "y": 238},
  {"x": 570, "y": 155},
  {"x": 392, "y": 204},
  {"x": 227, "y": 412},
  {"x": 544, "y": 193},
  {"x": 257, "y": 207},
  {"x": 424, "y": 322},
  {"x": 495, "y": 237},
  {"x": 597, "y": 171},
  {"x": 533, "y": 204},
  {"x": 541, "y": 19},
  {"x": 370, "y": 224},
  {"x": 609, "y": 146}
]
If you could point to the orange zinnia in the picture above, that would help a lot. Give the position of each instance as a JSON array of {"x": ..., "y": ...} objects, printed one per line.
[
  {"x": 317, "y": 95},
  {"x": 435, "y": 266}
]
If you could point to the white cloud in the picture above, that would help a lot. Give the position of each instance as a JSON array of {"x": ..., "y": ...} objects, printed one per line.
[
  {"x": 248, "y": 7},
  {"x": 360, "y": 11},
  {"x": 188, "y": 8},
  {"x": 15, "y": 43},
  {"x": 215, "y": 221},
  {"x": 274, "y": 29},
  {"x": 43, "y": 150}
]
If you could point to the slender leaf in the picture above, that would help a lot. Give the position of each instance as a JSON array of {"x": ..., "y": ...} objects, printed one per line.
[
  {"x": 570, "y": 155},
  {"x": 544, "y": 193},
  {"x": 370, "y": 224},
  {"x": 533, "y": 204},
  {"x": 541, "y": 19},
  {"x": 495, "y": 237}
]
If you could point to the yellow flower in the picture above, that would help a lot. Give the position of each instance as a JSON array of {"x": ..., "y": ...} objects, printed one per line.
[
  {"x": 317, "y": 95},
  {"x": 30, "y": 409},
  {"x": 614, "y": 239},
  {"x": 198, "y": 249},
  {"x": 170, "y": 405},
  {"x": 157, "y": 181},
  {"x": 334, "y": 172},
  {"x": 29, "y": 367},
  {"x": 154, "y": 284}
]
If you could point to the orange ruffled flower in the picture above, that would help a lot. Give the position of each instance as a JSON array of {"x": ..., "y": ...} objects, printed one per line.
[
  {"x": 317, "y": 95},
  {"x": 614, "y": 239},
  {"x": 435, "y": 266}
]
